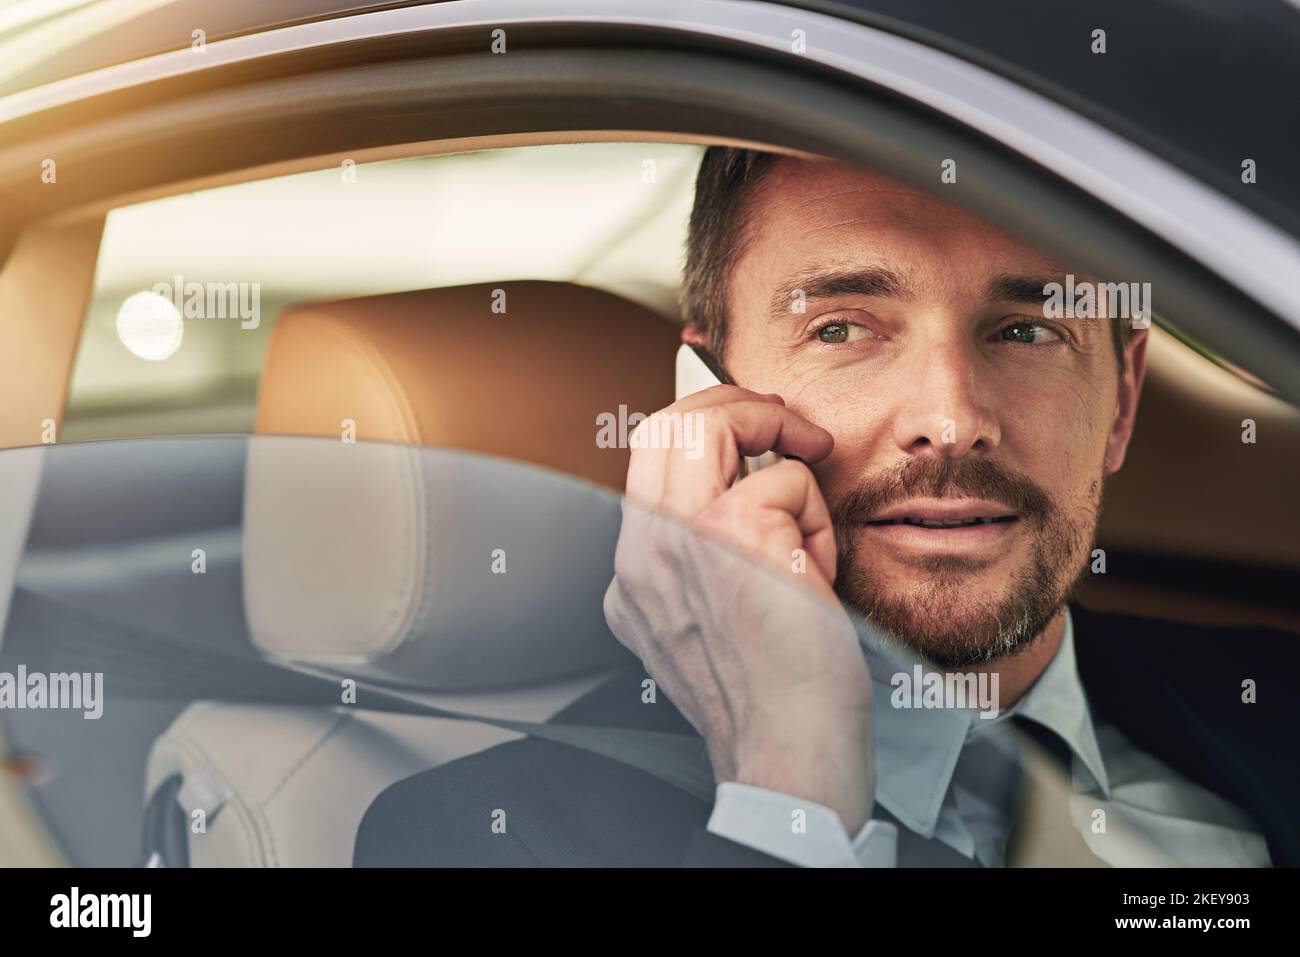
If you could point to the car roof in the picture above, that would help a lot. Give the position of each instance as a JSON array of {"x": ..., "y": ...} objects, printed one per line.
[{"x": 1204, "y": 86}]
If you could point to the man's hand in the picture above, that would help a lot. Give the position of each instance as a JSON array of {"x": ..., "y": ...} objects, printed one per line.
[{"x": 761, "y": 660}]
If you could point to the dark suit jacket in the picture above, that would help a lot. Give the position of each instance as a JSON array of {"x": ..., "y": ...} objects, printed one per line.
[{"x": 1174, "y": 690}]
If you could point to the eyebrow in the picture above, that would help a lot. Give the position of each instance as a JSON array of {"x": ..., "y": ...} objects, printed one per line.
[
  {"x": 869, "y": 281},
  {"x": 1008, "y": 288}
]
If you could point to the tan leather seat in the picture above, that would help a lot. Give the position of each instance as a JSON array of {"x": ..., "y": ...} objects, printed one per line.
[
  {"x": 344, "y": 567},
  {"x": 439, "y": 367}
]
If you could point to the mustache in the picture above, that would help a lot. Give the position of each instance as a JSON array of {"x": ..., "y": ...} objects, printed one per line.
[{"x": 939, "y": 478}]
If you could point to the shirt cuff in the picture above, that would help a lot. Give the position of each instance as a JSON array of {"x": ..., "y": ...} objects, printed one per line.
[{"x": 800, "y": 832}]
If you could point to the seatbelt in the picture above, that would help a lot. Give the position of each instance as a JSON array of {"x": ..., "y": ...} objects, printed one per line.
[
  {"x": 66, "y": 637},
  {"x": 678, "y": 759},
  {"x": 158, "y": 667}
]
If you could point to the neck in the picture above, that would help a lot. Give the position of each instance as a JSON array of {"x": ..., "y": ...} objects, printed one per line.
[{"x": 1017, "y": 673}]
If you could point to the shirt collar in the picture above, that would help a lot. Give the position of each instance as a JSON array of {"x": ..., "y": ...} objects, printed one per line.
[
  {"x": 1057, "y": 701},
  {"x": 916, "y": 749}
]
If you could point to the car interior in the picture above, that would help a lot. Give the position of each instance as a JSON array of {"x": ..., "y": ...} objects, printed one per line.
[{"x": 542, "y": 292}]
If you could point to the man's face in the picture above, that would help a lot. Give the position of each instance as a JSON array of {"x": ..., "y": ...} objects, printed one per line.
[{"x": 914, "y": 333}]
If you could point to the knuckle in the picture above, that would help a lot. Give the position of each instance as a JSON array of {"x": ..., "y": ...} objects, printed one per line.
[
  {"x": 628, "y": 557},
  {"x": 791, "y": 473},
  {"x": 616, "y": 617},
  {"x": 721, "y": 515}
]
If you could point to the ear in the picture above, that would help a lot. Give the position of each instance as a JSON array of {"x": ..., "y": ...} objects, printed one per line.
[
  {"x": 1130, "y": 388},
  {"x": 694, "y": 336}
]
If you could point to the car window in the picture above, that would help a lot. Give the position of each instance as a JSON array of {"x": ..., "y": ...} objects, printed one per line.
[
  {"x": 263, "y": 589},
  {"x": 609, "y": 215}
]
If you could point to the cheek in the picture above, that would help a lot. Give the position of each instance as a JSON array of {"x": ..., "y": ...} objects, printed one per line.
[
  {"x": 1057, "y": 432},
  {"x": 861, "y": 431},
  {"x": 831, "y": 398}
]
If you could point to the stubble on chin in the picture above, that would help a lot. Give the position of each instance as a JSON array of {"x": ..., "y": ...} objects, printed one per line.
[{"x": 944, "y": 614}]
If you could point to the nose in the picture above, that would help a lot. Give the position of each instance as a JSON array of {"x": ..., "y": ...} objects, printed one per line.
[{"x": 944, "y": 403}]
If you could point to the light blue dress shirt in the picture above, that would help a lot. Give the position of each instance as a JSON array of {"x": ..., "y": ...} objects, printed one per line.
[{"x": 949, "y": 775}]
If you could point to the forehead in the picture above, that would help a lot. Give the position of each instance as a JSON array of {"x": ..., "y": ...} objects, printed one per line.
[{"x": 817, "y": 213}]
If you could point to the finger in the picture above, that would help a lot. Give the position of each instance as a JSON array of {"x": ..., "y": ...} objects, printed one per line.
[
  {"x": 647, "y": 470},
  {"x": 789, "y": 487},
  {"x": 767, "y": 427},
  {"x": 720, "y": 395},
  {"x": 697, "y": 475}
]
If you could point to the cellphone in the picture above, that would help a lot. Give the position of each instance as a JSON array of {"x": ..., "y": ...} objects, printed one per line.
[{"x": 696, "y": 372}]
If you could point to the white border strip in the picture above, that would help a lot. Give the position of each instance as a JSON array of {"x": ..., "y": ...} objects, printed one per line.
[{"x": 1221, "y": 234}]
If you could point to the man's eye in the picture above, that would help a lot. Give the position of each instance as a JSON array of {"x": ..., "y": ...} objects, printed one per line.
[
  {"x": 1028, "y": 332},
  {"x": 838, "y": 332}
]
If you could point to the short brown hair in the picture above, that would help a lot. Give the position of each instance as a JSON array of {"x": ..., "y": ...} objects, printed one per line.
[{"x": 720, "y": 219}]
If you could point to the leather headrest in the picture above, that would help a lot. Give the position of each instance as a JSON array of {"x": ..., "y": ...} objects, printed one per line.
[
  {"x": 381, "y": 557},
  {"x": 516, "y": 369}
]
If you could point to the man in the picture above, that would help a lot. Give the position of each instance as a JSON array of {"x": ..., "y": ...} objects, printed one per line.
[{"x": 945, "y": 439}]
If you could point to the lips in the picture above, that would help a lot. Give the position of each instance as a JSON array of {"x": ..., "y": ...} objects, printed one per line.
[
  {"x": 945, "y": 522},
  {"x": 944, "y": 513}
]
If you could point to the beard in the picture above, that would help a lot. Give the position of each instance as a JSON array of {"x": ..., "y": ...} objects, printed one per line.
[{"x": 942, "y": 614}]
